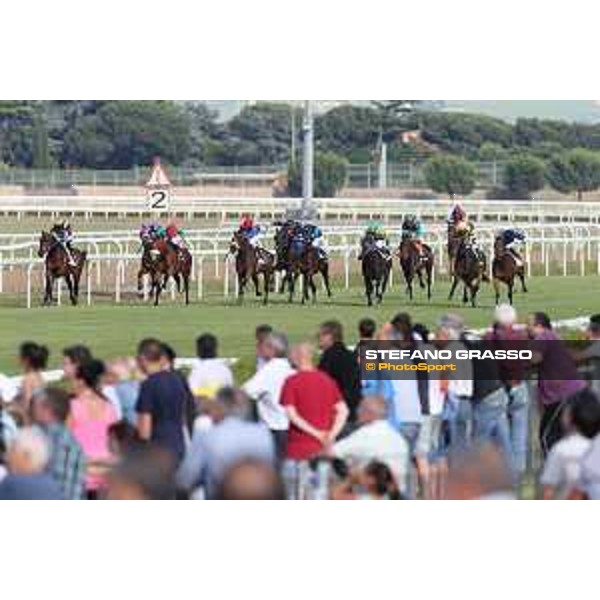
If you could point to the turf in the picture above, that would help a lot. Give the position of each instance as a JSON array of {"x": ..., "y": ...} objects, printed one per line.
[{"x": 115, "y": 329}]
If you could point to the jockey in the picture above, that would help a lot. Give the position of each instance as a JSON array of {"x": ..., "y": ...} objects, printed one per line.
[
  {"x": 63, "y": 235},
  {"x": 251, "y": 231},
  {"x": 175, "y": 235},
  {"x": 510, "y": 239},
  {"x": 458, "y": 218},
  {"x": 375, "y": 237},
  {"x": 314, "y": 236},
  {"x": 413, "y": 229}
]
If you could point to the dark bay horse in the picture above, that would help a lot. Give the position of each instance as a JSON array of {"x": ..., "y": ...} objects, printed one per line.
[
  {"x": 454, "y": 241},
  {"x": 376, "y": 269},
  {"x": 164, "y": 261},
  {"x": 470, "y": 268},
  {"x": 505, "y": 268},
  {"x": 304, "y": 261},
  {"x": 416, "y": 263},
  {"x": 250, "y": 263},
  {"x": 284, "y": 237},
  {"x": 57, "y": 266}
]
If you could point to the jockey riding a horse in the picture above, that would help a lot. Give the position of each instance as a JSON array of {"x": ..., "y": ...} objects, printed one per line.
[
  {"x": 253, "y": 233},
  {"x": 412, "y": 229},
  {"x": 175, "y": 237},
  {"x": 62, "y": 234},
  {"x": 314, "y": 237},
  {"x": 508, "y": 240},
  {"x": 375, "y": 238}
]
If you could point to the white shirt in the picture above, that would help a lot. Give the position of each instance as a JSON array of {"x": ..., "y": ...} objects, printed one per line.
[
  {"x": 8, "y": 389},
  {"x": 562, "y": 469},
  {"x": 265, "y": 387},
  {"x": 590, "y": 470},
  {"x": 208, "y": 376},
  {"x": 377, "y": 441}
]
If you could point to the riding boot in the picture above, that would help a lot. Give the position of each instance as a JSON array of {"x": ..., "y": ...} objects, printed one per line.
[
  {"x": 70, "y": 259},
  {"x": 518, "y": 260}
]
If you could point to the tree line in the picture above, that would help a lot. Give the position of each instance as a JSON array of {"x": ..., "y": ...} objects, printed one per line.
[{"x": 124, "y": 134}]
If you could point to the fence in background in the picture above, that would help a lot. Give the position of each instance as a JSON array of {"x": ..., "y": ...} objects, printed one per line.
[
  {"x": 113, "y": 259},
  {"x": 339, "y": 209}
]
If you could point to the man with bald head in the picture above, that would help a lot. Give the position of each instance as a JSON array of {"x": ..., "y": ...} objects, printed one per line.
[
  {"x": 26, "y": 459},
  {"x": 376, "y": 439},
  {"x": 314, "y": 405}
]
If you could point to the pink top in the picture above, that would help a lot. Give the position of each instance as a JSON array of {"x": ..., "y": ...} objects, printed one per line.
[{"x": 92, "y": 434}]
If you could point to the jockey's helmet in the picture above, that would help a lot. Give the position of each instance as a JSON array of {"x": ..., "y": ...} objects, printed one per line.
[{"x": 247, "y": 222}]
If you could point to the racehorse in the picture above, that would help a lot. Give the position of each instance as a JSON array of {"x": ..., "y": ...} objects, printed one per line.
[
  {"x": 454, "y": 241},
  {"x": 470, "y": 268},
  {"x": 162, "y": 262},
  {"x": 57, "y": 266},
  {"x": 376, "y": 269},
  {"x": 291, "y": 233},
  {"x": 250, "y": 262},
  {"x": 416, "y": 263},
  {"x": 303, "y": 260},
  {"x": 505, "y": 269}
]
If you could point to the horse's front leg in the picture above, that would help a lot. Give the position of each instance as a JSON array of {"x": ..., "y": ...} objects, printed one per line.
[
  {"x": 474, "y": 291},
  {"x": 70, "y": 287},
  {"x": 48, "y": 292},
  {"x": 325, "y": 275},
  {"x": 369, "y": 291},
  {"x": 523, "y": 286},
  {"x": 140, "y": 283},
  {"x": 304, "y": 288},
  {"x": 452, "y": 288},
  {"x": 241, "y": 287},
  {"x": 267, "y": 275},
  {"x": 465, "y": 295},
  {"x": 429, "y": 277},
  {"x": 256, "y": 284},
  {"x": 291, "y": 285},
  {"x": 313, "y": 288}
]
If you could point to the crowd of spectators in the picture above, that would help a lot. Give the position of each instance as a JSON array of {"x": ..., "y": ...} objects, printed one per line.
[{"x": 306, "y": 424}]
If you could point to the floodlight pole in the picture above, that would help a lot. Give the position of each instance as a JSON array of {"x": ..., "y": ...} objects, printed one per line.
[{"x": 308, "y": 141}]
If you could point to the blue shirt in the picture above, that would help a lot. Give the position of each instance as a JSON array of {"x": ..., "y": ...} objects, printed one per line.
[
  {"x": 384, "y": 389},
  {"x": 30, "y": 487},
  {"x": 214, "y": 451},
  {"x": 165, "y": 396}
]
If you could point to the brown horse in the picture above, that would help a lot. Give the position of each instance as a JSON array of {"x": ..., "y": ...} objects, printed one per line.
[
  {"x": 505, "y": 268},
  {"x": 415, "y": 261},
  {"x": 454, "y": 241},
  {"x": 57, "y": 266},
  {"x": 165, "y": 262},
  {"x": 376, "y": 269},
  {"x": 470, "y": 268},
  {"x": 304, "y": 260},
  {"x": 250, "y": 263}
]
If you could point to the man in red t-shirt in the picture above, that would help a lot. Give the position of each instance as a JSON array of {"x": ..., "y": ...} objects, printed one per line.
[{"x": 314, "y": 405}]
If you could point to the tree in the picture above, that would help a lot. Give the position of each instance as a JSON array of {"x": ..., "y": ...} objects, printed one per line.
[
  {"x": 261, "y": 134},
  {"x": 348, "y": 130},
  {"x": 491, "y": 151},
  {"x": 204, "y": 133},
  {"x": 122, "y": 134},
  {"x": 523, "y": 174},
  {"x": 330, "y": 175},
  {"x": 576, "y": 170},
  {"x": 16, "y": 132},
  {"x": 450, "y": 175}
]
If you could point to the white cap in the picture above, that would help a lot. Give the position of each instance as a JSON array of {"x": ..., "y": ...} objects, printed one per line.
[{"x": 505, "y": 315}]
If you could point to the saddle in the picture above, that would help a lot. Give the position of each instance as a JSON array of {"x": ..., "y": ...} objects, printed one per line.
[
  {"x": 263, "y": 255},
  {"x": 384, "y": 252}
]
